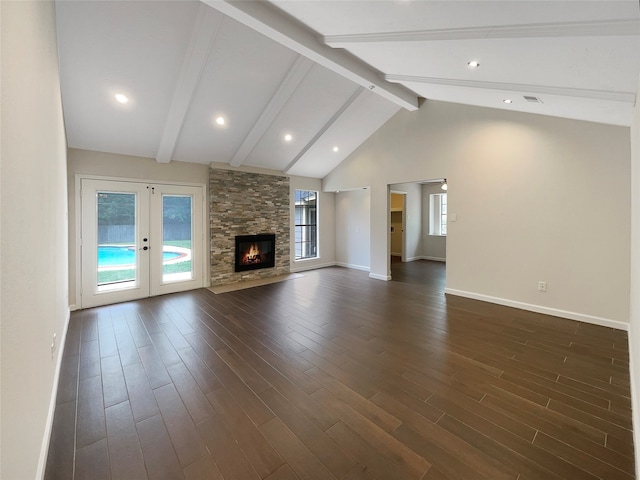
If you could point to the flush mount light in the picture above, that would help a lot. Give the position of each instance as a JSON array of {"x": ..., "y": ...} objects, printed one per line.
[
  {"x": 288, "y": 137},
  {"x": 507, "y": 100},
  {"x": 444, "y": 186},
  {"x": 335, "y": 149},
  {"x": 220, "y": 121},
  {"x": 473, "y": 64},
  {"x": 121, "y": 98}
]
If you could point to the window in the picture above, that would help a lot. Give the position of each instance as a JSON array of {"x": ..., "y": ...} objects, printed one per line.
[
  {"x": 306, "y": 214},
  {"x": 438, "y": 214}
]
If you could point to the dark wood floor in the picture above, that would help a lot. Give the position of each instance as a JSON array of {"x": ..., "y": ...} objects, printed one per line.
[{"x": 335, "y": 375}]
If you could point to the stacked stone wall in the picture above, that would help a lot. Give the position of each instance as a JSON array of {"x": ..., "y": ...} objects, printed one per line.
[{"x": 242, "y": 203}]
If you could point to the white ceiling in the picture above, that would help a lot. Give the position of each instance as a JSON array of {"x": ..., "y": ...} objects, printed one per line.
[{"x": 329, "y": 73}]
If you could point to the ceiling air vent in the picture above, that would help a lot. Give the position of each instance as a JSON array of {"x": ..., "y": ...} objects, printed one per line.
[{"x": 532, "y": 99}]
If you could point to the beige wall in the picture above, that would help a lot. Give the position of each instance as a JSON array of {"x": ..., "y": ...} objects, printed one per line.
[
  {"x": 33, "y": 242},
  {"x": 537, "y": 198},
  {"x": 634, "y": 329},
  {"x": 87, "y": 162},
  {"x": 397, "y": 201},
  {"x": 353, "y": 231}
]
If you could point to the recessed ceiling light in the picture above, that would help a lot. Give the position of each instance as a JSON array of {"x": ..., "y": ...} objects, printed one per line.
[
  {"x": 473, "y": 64},
  {"x": 220, "y": 121},
  {"x": 507, "y": 100},
  {"x": 121, "y": 98},
  {"x": 335, "y": 149},
  {"x": 288, "y": 137}
]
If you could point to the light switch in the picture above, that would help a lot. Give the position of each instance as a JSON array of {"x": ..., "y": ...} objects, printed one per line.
[{"x": 454, "y": 217}]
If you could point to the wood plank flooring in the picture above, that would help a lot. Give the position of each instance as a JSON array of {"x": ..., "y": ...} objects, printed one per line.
[{"x": 338, "y": 376}]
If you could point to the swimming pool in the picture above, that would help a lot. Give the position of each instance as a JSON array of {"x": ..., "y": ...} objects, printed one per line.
[{"x": 114, "y": 256}]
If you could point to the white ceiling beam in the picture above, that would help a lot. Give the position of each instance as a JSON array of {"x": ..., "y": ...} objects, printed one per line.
[
  {"x": 294, "y": 77},
  {"x": 614, "y": 96},
  {"x": 271, "y": 22},
  {"x": 203, "y": 37},
  {"x": 605, "y": 28},
  {"x": 360, "y": 91}
]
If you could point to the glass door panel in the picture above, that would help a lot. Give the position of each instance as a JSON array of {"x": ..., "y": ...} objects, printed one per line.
[
  {"x": 177, "y": 238},
  {"x": 177, "y": 229},
  {"x": 114, "y": 242},
  {"x": 116, "y": 252}
]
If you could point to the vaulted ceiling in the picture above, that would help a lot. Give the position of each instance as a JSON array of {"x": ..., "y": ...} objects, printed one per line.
[{"x": 300, "y": 84}]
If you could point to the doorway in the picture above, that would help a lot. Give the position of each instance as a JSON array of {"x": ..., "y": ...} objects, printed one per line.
[
  {"x": 424, "y": 222},
  {"x": 397, "y": 206},
  {"x": 139, "y": 240}
]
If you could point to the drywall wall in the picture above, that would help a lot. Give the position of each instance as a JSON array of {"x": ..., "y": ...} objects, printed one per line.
[
  {"x": 34, "y": 234},
  {"x": 537, "y": 199},
  {"x": 634, "y": 328},
  {"x": 434, "y": 247},
  {"x": 352, "y": 220},
  {"x": 326, "y": 225},
  {"x": 86, "y": 162}
]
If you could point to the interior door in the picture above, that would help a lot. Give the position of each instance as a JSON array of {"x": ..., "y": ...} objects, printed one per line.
[{"x": 138, "y": 240}]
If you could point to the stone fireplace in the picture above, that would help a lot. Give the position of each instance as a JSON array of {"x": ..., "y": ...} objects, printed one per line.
[{"x": 242, "y": 204}]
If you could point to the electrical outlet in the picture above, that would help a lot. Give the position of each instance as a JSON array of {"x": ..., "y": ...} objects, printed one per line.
[{"x": 542, "y": 286}]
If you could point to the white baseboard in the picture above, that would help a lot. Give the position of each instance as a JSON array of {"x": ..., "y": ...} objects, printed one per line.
[
  {"x": 352, "y": 265},
  {"x": 377, "y": 276},
  {"x": 581, "y": 317},
  {"x": 396, "y": 254},
  {"x": 44, "y": 449},
  {"x": 434, "y": 259},
  {"x": 72, "y": 308},
  {"x": 311, "y": 266},
  {"x": 421, "y": 257}
]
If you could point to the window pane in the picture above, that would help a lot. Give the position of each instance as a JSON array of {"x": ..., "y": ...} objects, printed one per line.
[
  {"x": 176, "y": 238},
  {"x": 438, "y": 214},
  {"x": 117, "y": 255},
  {"x": 305, "y": 212}
]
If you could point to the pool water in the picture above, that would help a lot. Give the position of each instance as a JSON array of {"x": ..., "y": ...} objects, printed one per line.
[{"x": 113, "y": 256}]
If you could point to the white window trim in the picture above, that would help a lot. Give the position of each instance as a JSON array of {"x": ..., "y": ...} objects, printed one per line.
[{"x": 317, "y": 256}]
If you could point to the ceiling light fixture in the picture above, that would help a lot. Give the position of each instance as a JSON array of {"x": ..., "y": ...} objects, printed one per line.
[
  {"x": 444, "y": 185},
  {"x": 335, "y": 149},
  {"x": 288, "y": 137},
  {"x": 473, "y": 64},
  {"x": 220, "y": 121},
  {"x": 121, "y": 98},
  {"x": 507, "y": 101}
]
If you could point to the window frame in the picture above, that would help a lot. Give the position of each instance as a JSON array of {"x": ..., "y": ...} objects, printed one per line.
[
  {"x": 308, "y": 248},
  {"x": 438, "y": 214}
]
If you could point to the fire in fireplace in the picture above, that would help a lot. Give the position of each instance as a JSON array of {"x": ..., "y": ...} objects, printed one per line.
[{"x": 255, "y": 251}]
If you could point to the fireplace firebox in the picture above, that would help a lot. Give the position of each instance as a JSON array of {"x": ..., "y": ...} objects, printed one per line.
[{"x": 255, "y": 251}]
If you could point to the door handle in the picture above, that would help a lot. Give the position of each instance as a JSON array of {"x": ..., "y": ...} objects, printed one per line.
[{"x": 144, "y": 248}]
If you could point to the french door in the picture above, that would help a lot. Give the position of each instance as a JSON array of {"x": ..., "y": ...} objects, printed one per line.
[{"x": 139, "y": 240}]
